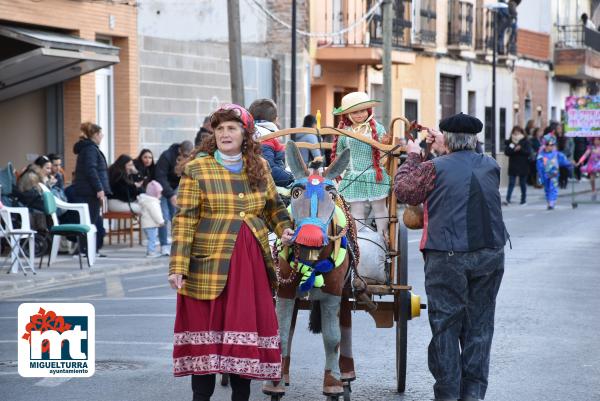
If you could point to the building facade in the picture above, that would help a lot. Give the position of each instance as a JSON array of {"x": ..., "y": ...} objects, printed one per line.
[
  {"x": 441, "y": 60},
  {"x": 184, "y": 63},
  {"x": 61, "y": 63}
]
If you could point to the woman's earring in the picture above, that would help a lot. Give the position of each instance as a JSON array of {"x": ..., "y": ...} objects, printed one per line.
[{"x": 244, "y": 146}]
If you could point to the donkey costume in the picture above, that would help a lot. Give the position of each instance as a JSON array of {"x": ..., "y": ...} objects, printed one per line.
[{"x": 318, "y": 264}]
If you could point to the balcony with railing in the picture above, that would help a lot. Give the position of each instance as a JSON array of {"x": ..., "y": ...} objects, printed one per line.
[
  {"x": 401, "y": 24},
  {"x": 424, "y": 25},
  {"x": 460, "y": 25},
  {"x": 577, "y": 52},
  {"x": 484, "y": 34},
  {"x": 358, "y": 29}
]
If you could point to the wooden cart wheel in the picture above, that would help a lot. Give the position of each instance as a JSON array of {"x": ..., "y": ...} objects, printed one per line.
[{"x": 401, "y": 323}]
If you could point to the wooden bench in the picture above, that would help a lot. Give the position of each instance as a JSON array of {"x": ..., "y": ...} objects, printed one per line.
[{"x": 127, "y": 223}]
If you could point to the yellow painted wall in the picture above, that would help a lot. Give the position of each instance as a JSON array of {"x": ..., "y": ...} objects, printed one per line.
[{"x": 419, "y": 76}]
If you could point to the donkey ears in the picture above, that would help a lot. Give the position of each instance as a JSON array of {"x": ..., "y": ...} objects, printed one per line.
[
  {"x": 295, "y": 161},
  {"x": 338, "y": 166}
]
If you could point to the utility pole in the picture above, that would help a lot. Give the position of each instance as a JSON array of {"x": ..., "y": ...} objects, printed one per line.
[
  {"x": 387, "y": 11},
  {"x": 293, "y": 83},
  {"x": 494, "y": 83},
  {"x": 494, "y": 8},
  {"x": 235, "y": 52}
]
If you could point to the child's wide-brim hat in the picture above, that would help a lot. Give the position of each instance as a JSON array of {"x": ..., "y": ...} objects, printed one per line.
[{"x": 355, "y": 101}]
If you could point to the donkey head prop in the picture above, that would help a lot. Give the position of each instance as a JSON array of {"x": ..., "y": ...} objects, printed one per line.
[{"x": 313, "y": 199}]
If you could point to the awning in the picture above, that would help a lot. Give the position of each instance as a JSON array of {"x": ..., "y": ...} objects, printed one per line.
[{"x": 32, "y": 59}]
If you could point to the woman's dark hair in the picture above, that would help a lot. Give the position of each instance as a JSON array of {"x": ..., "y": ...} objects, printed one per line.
[
  {"x": 309, "y": 121},
  {"x": 41, "y": 161},
  {"x": 142, "y": 153},
  {"x": 117, "y": 170},
  {"x": 88, "y": 130},
  {"x": 54, "y": 156},
  {"x": 517, "y": 128}
]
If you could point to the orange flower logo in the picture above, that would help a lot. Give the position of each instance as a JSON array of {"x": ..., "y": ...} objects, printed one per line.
[{"x": 43, "y": 321}]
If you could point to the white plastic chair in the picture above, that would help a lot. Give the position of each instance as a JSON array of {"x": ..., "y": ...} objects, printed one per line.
[
  {"x": 14, "y": 236},
  {"x": 84, "y": 218}
]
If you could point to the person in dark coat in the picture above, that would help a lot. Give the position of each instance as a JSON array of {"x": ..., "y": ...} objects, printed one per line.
[
  {"x": 167, "y": 175},
  {"x": 265, "y": 116},
  {"x": 518, "y": 150},
  {"x": 463, "y": 245},
  {"x": 535, "y": 144},
  {"x": 91, "y": 183}
]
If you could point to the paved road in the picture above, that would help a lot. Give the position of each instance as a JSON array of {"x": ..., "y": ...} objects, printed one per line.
[{"x": 545, "y": 347}]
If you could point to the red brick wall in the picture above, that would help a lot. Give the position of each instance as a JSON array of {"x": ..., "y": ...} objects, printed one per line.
[
  {"x": 89, "y": 20},
  {"x": 533, "y": 45},
  {"x": 534, "y": 82}
]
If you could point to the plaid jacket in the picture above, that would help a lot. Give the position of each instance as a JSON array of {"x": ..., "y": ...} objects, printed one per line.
[{"x": 213, "y": 204}]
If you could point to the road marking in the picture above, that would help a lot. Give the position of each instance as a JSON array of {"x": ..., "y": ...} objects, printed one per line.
[
  {"x": 107, "y": 342},
  {"x": 90, "y": 296},
  {"x": 114, "y": 287},
  {"x": 60, "y": 287},
  {"x": 414, "y": 240},
  {"x": 529, "y": 215},
  {"x": 128, "y": 299},
  {"x": 150, "y": 287},
  {"x": 162, "y": 344},
  {"x": 163, "y": 274},
  {"x": 52, "y": 381},
  {"x": 116, "y": 315}
]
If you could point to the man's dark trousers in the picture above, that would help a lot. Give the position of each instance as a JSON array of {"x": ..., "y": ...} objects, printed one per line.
[{"x": 461, "y": 295}]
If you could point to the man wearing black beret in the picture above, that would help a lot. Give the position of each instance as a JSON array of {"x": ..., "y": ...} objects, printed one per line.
[{"x": 463, "y": 246}]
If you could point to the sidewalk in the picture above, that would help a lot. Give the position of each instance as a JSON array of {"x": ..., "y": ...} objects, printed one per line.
[{"x": 120, "y": 259}]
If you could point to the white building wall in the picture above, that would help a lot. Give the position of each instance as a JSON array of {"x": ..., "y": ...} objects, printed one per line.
[
  {"x": 480, "y": 81},
  {"x": 535, "y": 15},
  {"x": 197, "y": 20},
  {"x": 184, "y": 66}
]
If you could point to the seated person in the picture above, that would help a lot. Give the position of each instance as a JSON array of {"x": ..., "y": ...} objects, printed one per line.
[{"x": 125, "y": 188}]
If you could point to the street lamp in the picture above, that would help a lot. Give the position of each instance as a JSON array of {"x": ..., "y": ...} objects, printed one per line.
[{"x": 494, "y": 7}]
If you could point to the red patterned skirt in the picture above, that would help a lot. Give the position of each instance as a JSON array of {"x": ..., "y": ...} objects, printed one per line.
[{"x": 237, "y": 332}]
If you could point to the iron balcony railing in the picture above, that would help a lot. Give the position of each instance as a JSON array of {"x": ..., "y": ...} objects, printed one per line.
[
  {"x": 484, "y": 34},
  {"x": 401, "y": 24},
  {"x": 424, "y": 28},
  {"x": 577, "y": 37},
  {"x": 460, "y": 23},
  {"x": 337, "y": 14}
]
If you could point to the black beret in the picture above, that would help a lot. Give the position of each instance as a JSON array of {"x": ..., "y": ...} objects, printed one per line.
[{"x": 461, "y": 123}]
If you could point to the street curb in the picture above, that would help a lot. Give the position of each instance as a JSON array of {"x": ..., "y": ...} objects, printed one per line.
[{"x": 14, "y": 289}]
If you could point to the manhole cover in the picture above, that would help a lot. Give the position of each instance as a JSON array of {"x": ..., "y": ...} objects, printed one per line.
[{"x": 117, "y": 365}]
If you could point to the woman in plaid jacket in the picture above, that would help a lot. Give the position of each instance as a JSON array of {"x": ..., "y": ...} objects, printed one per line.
[{"x": 221, "y": 263}]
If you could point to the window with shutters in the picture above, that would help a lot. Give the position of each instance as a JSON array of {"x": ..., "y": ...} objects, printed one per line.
[{"x": 448, "y": 95}]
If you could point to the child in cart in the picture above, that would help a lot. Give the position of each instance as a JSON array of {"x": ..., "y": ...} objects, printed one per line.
[{"x": 365, "y": 180}]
